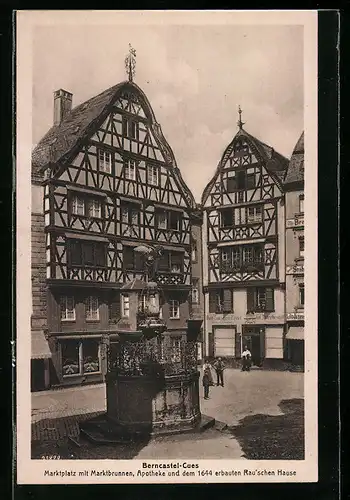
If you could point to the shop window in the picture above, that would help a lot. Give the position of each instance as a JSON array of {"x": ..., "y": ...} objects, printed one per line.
[{"x": 80, "y": 357}]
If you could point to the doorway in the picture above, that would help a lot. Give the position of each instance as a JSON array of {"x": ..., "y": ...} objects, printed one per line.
[{"x": 254, "y": 339}]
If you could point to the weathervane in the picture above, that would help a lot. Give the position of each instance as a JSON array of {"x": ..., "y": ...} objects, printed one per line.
[
  {"x": 130, "y": 63},
  {"x": 240, "y": 123}
]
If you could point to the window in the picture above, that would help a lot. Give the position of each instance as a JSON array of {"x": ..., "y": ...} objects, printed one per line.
[
  {"x": 152, "y": 175},
  {"x": 125, "y": 306},
  {"x": 171, "y": 262},
  {"x": 114, "y": 307},
  {"x": 301, "y": 294},
  {"x": 86, "y": 206},
  {"x": 227, "y": 217},
  {"x": 260, "y": 299},
  {"x": 301, "y": 204},
  {"x": 105, "y": 161},
  {"x": 92, "y": 309},
  {"x": 132, "y": 260},
  {"x": 169, "y": 219},
  {"x": 194, "y": 253},
  {"x": 250, "y": 181},
  {"x": 176, "y": 345},
  {"x": 231, "y": 184},
  {"x": 86, "y": 253},
  {"x": 195, "y": 291},
  {"x": 221, "y": 301},
  {"x": 94, "y": 208},
  {"x": 78, "y": 205},
  {"x": 240, "y": 179},
  {"x": 301, "y": 247},
  {"x": 254, "y": 214},
  {"x": 176, "y": 262},
  {"x": 174, "y": 309},
  {"x": 67, "y": 308},
  {"x": 162, "y": 219},
  {"x": 80, "y": 357},
  {"x": 130, "y": 170},
  {"x": 237, "y": 257},
  {"x": 174, "y": 221},
  {"x": 130, "y": 128},
  {"x": 130, "y": 213},
  {"x": 248, "y": 255},
  {"x": 142, "y": 303}
]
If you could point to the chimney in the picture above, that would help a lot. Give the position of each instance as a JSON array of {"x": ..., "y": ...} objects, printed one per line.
[{"x": 62, "y": 105}]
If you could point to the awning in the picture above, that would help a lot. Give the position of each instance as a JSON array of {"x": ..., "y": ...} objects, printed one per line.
[
  {"x": 40, "y": 346},
  {"x": 86, "y": 191},
  {"x": 295, "y": 333}
]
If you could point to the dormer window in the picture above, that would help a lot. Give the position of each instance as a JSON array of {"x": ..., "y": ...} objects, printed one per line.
[
  {"x": 105, "y": 161},
  {"x": 130, "y": 170}
]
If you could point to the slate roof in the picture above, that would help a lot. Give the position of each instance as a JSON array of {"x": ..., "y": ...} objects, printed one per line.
[
  {"x": 275, "y": 163},
  {"x": 295, "y": 172}
]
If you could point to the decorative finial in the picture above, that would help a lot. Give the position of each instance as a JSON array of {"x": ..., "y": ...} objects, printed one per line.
[
  {"x": 240, "y": 123},
  {"x": 130, "y": 63}
]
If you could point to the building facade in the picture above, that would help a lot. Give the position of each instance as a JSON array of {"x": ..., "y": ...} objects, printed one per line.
[
  {"x": 244, "y": 253},
  {"x": 108, "y": 183},
  {"x": 295, "y": 292}
]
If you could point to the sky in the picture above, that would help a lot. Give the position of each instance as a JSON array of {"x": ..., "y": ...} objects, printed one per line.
[{"x": 194, "y": 76}]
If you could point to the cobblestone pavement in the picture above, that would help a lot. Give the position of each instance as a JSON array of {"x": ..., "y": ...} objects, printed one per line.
[
  {"x": 67, "y": 402},
  {"x": 56, "y": 414},
  {"x": 250, "y": 393}
]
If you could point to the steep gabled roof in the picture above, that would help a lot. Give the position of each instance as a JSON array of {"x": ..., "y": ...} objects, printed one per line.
[
  {"x": 295, "y": 171},
  {"x": 275, "y": 163},
  {"x": 60, "y": 143}
]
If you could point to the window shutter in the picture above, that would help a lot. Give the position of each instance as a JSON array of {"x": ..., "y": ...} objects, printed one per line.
[
  {"x": 100, "y": 254},
  {"x": 250, "y": 299},
  {"x": 270, "y": 302},
  {"x": 227, "y": 302},
  {"x": 88, "y": 253},
  {"x": 75, "y": 252},
  {"x": 212, "y": 301},
  {"x": 114, "y": 307},
  {"x": 128, "y": 257}
]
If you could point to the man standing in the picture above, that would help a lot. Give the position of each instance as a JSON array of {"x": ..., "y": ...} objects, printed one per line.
[
  {"x": 219, "y": 368},
  {"x": 206, "y": 379},
  {"x": 246, "y": 359}
]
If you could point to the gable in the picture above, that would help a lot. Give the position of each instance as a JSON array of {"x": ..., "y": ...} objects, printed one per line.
[
  {"x": 140, "y": 162},
  {"x": 248, "y": 171}
]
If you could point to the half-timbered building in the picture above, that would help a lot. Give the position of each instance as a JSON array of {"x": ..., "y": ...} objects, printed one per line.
[
  {"x": 110, "y": 183},
  {"x": 243, "y": 252},
  {"x": 295, "y": 292}
]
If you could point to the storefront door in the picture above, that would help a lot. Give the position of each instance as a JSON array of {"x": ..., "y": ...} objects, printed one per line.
[{"x": 253, "y": 338}]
